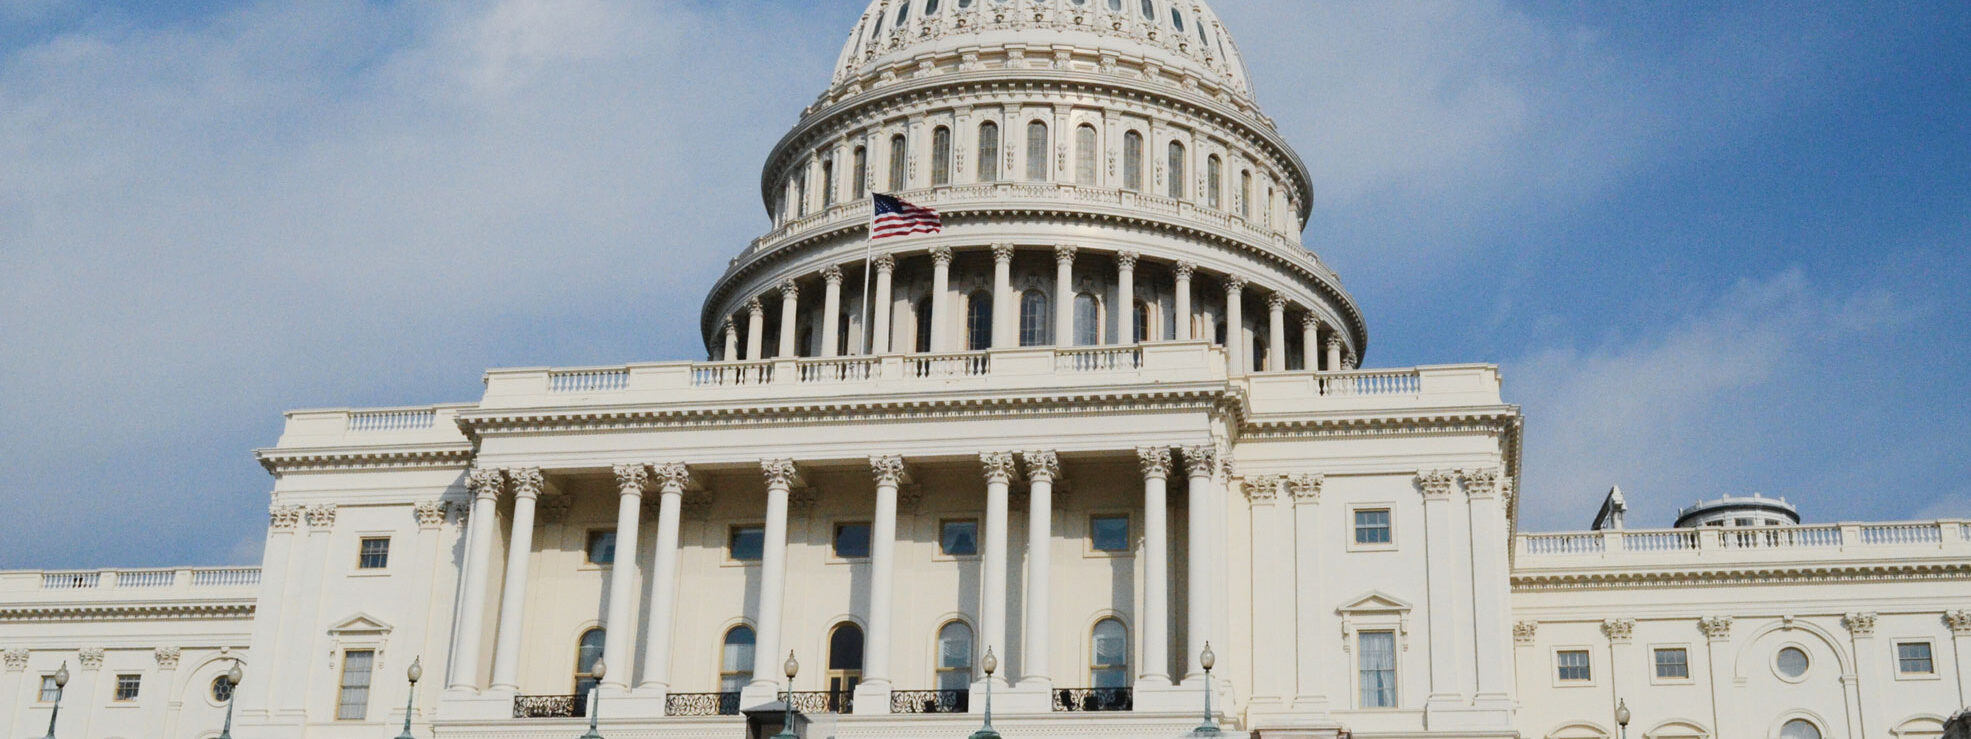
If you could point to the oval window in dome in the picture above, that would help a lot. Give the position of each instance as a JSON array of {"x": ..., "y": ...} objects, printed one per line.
[
  {"x": 1115, "y": 6},
  {"x": 963, "y": 4},
  {"x": 903, "y": 14},
  {"x": 1177, "y": 19},
  {"x": 930, "y": 7},
  {"x": 1149, "y": 10}
]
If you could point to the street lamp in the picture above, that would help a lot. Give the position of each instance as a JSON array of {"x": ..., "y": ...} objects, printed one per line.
[
  {"x": 61, "y": 682},
  {"x": 1207, "y": 660},
  {"x": 792, "y": 667},
  {"x": 991, "y": 664},
  {"x": 595, "y": 698},
  {"x": 233, "y": 678},
  {"x": 1622, "y": 716},
  {"x": 416, "y": 671}
]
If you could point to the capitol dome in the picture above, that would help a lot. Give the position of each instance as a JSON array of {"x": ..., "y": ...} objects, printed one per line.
[{"x": 1104, "y": 177}]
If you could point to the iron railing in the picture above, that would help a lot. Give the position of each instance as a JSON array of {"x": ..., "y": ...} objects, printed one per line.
[
  {"x": 701, "y": 704},
  {"x": 825, "y": 701},
  {"x": 931, "y": 701},
  {"x": 1093, "y": 699},
  {"x": 550, "y": 706}
]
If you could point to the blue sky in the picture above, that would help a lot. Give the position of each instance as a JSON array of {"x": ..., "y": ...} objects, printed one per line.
[{"x": 1717, "y": 248}]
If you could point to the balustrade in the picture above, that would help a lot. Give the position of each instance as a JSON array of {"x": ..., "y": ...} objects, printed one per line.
[
  {"x": 588, "y": 381},
  {"x": 1660, "y": 541},
  {"x": 550, "y": 706},
  {"x": 1104, "y": 359},
  {"x": 146, "y": 578},
  {"x": 1094, "y": 699},
  {"x": 1902, "y": 533},
  {"x": 69, "y": 580},
  {"x": 701, "y": 704},
  {"x": 234, "y": 577},
  {"x": 1780, "y": 537},
  {"x": 1353, "y": 384},
  {"x": 931, "y": 701},
  {"x": 1564, "y": 543},
  {"x": 839, "y": 370},
  {"x": 725, "y": 374},
  {"x": 1824, "y": 536},
  {"x": 393, "y": 420},
  {"x": 824, "y": 701},
  {"x": 974, "y": 364}
]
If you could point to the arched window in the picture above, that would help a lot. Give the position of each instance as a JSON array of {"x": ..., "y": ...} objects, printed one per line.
[
  {"x": 827, "y": 182},
  {"x": 1144, "y": 325},
  {"x": 736, "y": 659},
  {"x": 1177, "y": 170},
  {"x": 861, "y": 172},
  {"x": 1132, "y": 161},
  {"x": 899, "y": 157},
  {"x": 941, "y": 156},
  {"x": 1245, "y": 194},
  {"x": 1084, "y": 155},
  {"x": 1177, "y": 19},
  {"x": 930, "y": 8},
  {"x": 1036, "y": 151},
  {"x": 844, "y": 664},
  {"x": 1799, "y": 728},
  {"x": 1149, "y": 10},
  {"x": 1034, "y": 325},
  {"x": 954, "y": 656},
  {"x": 1087, "y": 320},
  {"x": 1108, "y": 659},
  {"x": 903, "y": 14},
  {"x": 588, "y": 651},
  {"x": 988, "y": 151},
  {"x": 1266, "y": 209},
  {"x": 924, "y": 324},
  {"x": 978, "y": 321},
  {"x": 1115, "y": 5},
  {"x": 1213, "y": 169}
]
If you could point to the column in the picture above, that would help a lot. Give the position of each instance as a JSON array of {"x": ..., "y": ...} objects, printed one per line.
[
  {"x": 1064, "y": 295},
  {"x": 790, "y": 319},
  {"x": 879, "y": 337},
  {"x": 1334, "y": 352},
  {"x": 485, "y": 484},
  {"x": 999, "y": 471},
  {"x": 755, "y": 330},
  {"x": 1126, "y": 298},
  {"x": 1042, "y": 468},
  {"x": 1717, "y": 647},
  {"x": 889, "y": 473},
  {"x": 672, "y": 479},
  {"x": 1311, "y": 611},
  {"x": 1235, "y": 352},
  {"x": 731, "y": 341},
  {"x": 621, "y": 619},
  {"x": 527, "y": 483},
  {"x": 1183, "y": 288},
  {"x": 940, "y": 304},
  {"x": 1437, "y": 488},
  {"x": 1270, "y": 545},
  {"x": 1310, "y": 343},
  {"x": 1960, "y": 643},
  {"x": 1861, "y": 640},
  {"x": 276, "y": 562},
  {"x": 1491, "y": 613},
  {"x": 1200, "y": 462},
  {"x": 831, "y": 312},
  {"x": 1005, "y": 307},
  {"x": 1276, "y": 333},
  {"x": 1155, "y": 621},
  {"x": 773, "y": 577}
]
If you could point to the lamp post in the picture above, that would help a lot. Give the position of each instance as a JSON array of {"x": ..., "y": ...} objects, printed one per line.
[
  {"x": 416, "y": 671},
  {"x": 233, "y": 678},
  {"x": 61, "y": 683},
  {"x": 595, "y": 699},
  {"x": 792, "y": 667},
  {"x": 1207, "y": 660},
  {"x": 991, "y": 664},
  {"x": 1622, "y": 716}
]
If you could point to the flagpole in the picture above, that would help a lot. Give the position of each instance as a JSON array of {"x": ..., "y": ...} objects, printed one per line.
[{"x": 868, "y": 254}]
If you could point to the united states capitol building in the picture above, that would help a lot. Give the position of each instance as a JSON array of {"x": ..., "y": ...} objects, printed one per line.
[{"x": 1113, "y": 413}]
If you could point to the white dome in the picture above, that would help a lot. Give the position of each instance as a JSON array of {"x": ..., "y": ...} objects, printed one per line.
[{"x": 1182, "y": 36}]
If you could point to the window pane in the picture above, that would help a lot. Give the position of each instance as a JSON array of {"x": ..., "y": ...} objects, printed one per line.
[
  {"x": 1108, "y": 664},
  {"x": 852, "y": 540},
  {"x": 1110, "y": 533},
  {"x": 955, "y": 646},
  {"x": 127, "y": 685},
  {"x": 1033, "y": 318},
  {"x": 988, "y": 151},
  {"x": 747, "y": 543},
  {"x": 861, "y": 172},
  {"x": 1132, "y": 161},
  {"x": 602, "y": 547},
  {"x": 1087, "y": 318},
  {"x": 1573, "y": 665},
  {"x": 1914, "y": 659},
  {"x": 353, "y": 701},
  {"x": 845, "y": 648},
  {"x": 1372, "y": 527},
  {"x": 1084, "y": 148},
  {"x": 48, "y": 690},
  {"x": 1799, "y": 729},
  {"x": 941, "y": 156},
  {"x": 959, "y": 538},
  {"x": 374, "y": 554},
  {"x": 1212, "y": 181},
  {"x": 1378, "y": 669},
  {"x": 1245, "y": 194},
  {"x": 898, "y": 155},
  {"x": 1792, "y": 662},
  {"x": 738, "y": 652},
  {"x": 1672, "y": 664},
  {"x": 1036, "y": 151},
  {"x": 1176, "y": 170},
  {"x": 589, "y": 650},
  {"x": 978, "y": 321}
]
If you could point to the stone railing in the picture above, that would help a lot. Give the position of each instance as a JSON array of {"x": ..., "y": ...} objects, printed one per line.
[
  {"x": 930, "y": 701},
  {"x": 1370, "y": 382},
  {"x": 550, "y": 706},
  {"x": 968, "y": 364},
  {"x": 393, "y": 419},
  {"x": 726, "y": 374},
  {"x": 701, "y": 704},
  {"x": 824, "y": 701},
  {"x": 1094, "y": 699},
  {"x": 149, "y": 579},
  {"x": 1935, "y": 535},
  {"x": 588, "y": 380},
  {"x": 1098, "y": 359}
]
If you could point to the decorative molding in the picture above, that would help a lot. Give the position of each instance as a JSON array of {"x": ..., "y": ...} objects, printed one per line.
[
  {"x": 1002, "y": 253},
  {"x": 284, "y": 517},
  {"x": 1155, "y": 461},
  {"x": 73, "y": 613},
  {"x": 1126, "y": 260},
  {"x": 485, "y": 482},
  {"x": 779, "y": 472},
  {"x": 1043, "y": 466},
  {"x": 90, "y": 658},
  {"x": 672, "y": 477},
  {"x": 430, "y": 514},
  {"x": 527, "y": 482},
  {"x": 1436, "y": 484},
  {"x": 1200, "y": 460},
  {"x": 941, "y": 256},
  {"x": 282, "y": 462},
  {"x": 16, "y": 659},
  {"x": 1715, "y": 628},
  {"x": 1306, "y": 488},
  {"x": 832, "y": 275},
  {"x": 632, "y": 478},
  {"x": 1619, "y": 630},
  {"x": 321, "y": 517},
  {"x": 1862, "y": 625},
  {"x": 1960, "y": 622},
  {"x": 1481, "y": 483},
  {"x": 999, "y": 467},
  {"x": 1524, "y": 633},
  {"x": 1263, "y": 488},
  {"x": 888, "y": 470},
  {"x": 167, "y": 657}
]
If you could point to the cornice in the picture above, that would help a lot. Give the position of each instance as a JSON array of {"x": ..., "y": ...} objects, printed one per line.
[
  {"x": 281, "y": 461},
  {"x": 69, "y": 612},
  {"x": 1775, "y": 574},
  {"x": 1408, "y": 421}
]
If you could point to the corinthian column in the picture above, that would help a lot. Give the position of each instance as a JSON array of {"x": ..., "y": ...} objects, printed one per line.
[
  {"x": 831, "y": 311},
  {"x": 790, "y": 319},
  {"x": 1155, "y": 625},
  {"x": 1200, "y": 462},
  {"x": 773, "y": 577},
  {"x": 731, "y": 332},
  {"x": 486, "y": 485},
  {"x": 1235, "y": 330},
  {"x": 889, "y": 474},
  {"x": 527, "y": 484},
  {"x": 671, "y": 481},
  {"x": 621, "y": 636},
  {"x": 1005, "y": 307},
  {"x": 1276, "y": 335},
  {"x": 1183, "y": 294},
  {"x": 1126, "y": 298},
  {"x": 755, "y": 330},
  {"x": 1310, "y": 343},
  {"x": 1042, "y": 468},
  {"x": 999, "y": 471},
  {"x": 1443, "y": 588},
  {"x": 940, "y": 304},
  {"x": 879, "y": 337},
  {"x": 1334, "y": 353},
  {"x": 1064, "y": 296}
]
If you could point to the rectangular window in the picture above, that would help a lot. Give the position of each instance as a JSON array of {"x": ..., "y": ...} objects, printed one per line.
[
  {"x": 852, "y": 540},
  {"x": 746, "y": 543},
  {"x": 127, "y": 686},
  {"x": 49, "y": 691},
  {"x": 601, "y": 548},
  {"x": 1672, "y": 664},
  {"x": 374, "y": 553},
  {"x": 1573, "y": 665},
  {"x": 958, "y": 538},
  {"x": 1378, "y": 668},
  {"x": 1109, "y": 533},
  {"x": 352, "y": 701},
  {"x": 1913, "y": 658},
  {"x": 1372, "y": 526}
]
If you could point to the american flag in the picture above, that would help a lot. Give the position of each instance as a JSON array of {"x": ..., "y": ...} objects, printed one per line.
[{"x": 894, "y": 217}]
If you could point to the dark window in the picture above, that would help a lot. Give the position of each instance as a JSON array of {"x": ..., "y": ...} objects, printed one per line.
[
  {"x": 861, "y": 172},
  {"x": 1036, "y": 151},
  {"x": 1144, "y": 326},
  {"x": 736, "y": 659},
  {"x": 1087, "y": 320},
  {"x": 931, "y": 7},
  {"x": 1176, "y": 170},
  {"x": 851, "y": 540},
  {"x": 959, "y": 538},
  {"x": 1214, "y": 181},
  {"x": 978, "y": 321},
  {"x": 1033, "y": 318},
  {"x": 49, "y": 691},
  {"x": 1109, "y": 533},
  {"x": 222, "y": 691},
  {"x": 899, "y": 159},
  {"x": 588, "y": 651},
  {"x": 1573, "y": 665},
  {"x": 1084, "y": 155},
  {"x": 954, "y": 656},
  {"x": 1149, "y": 10},
  {"x": 373, "y": 553},
  {"x": 941, "y": 156},
  {"x": 1132, "y": 161},
  {"x": 1372, "y": 526},
  {"x": 602, "y": 547},
  {"x": 988, "y": 151},
  {"x": 1914, "y": 659},
  {"x": 1672, "y": 664},
  {"x": 1177, "y": 19},
  {"x": 1108, "y": 661},
  {"x": 827, "y": 182},
  {"x": 924, "y": 324},
  {"x": 746, "y": 543},
  {"x": 127, "y": 686}
]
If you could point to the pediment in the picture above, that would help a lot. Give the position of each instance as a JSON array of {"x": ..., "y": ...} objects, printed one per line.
[
  {"x": 1375, "y": 601},
  {"x": 361, "y": 624}
]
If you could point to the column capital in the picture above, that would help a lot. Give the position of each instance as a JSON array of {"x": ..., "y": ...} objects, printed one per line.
[
  {"x": 1309, "y": 322},
  {"x": 779, "y": 472},
  {"x": 1960, "y": 622},
  {"x": 1276, "y": 302},
  {"x": 485, "y": 482},
  {"x": 832, "y": 275},
  {"x": 1184, "y": 270},
  {"x": 1043, "y": 466},
  {"x": 1263, "y": 488},
  {"x": 1482, "y": 482},
  {"x": 1126, "y": 260},
  {"x": 16, "y": 658},
  {"x": 1350, "y": 361},
  {"x": 631, "y": 478},
  {"x": 1155, "y": 461},
  {"x": 430, "y": 514},
  {"x": 1715, "y": 628},
  {"x": 755, "y": 307},
  {"x": 1862, "y": 625},
  {"x": 1525, "y": 632},
  {"x": 1002, "y": 253},
  {"x": 1436, "y": 484},
  {"x": 731, "y": 325},
  {"x": 167, "y": 657},
  {"x": 1306, "y": 488},
  {"x": 1201, "y": 460},
  {"x": 90, "y": 658},
  {"x": 888, "y": 470},
  {"x": 673, "y": 477},
  {"x": 527, "y": 481},
  {"x": 1619, "y": 630},
  {"x": 941, "y": 256},
  {"x": 885, "y": 263},
  {"x": 789, "y": 290},
  {"x": 1064, "y": 254},
  {"x": 1334, "y": 342},
  {"x": 321, "y": 517},
  {"x": 1234, "y": 284},
  {"x": 999, "y": 466},
  {"x": 284, "y": 517}
]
